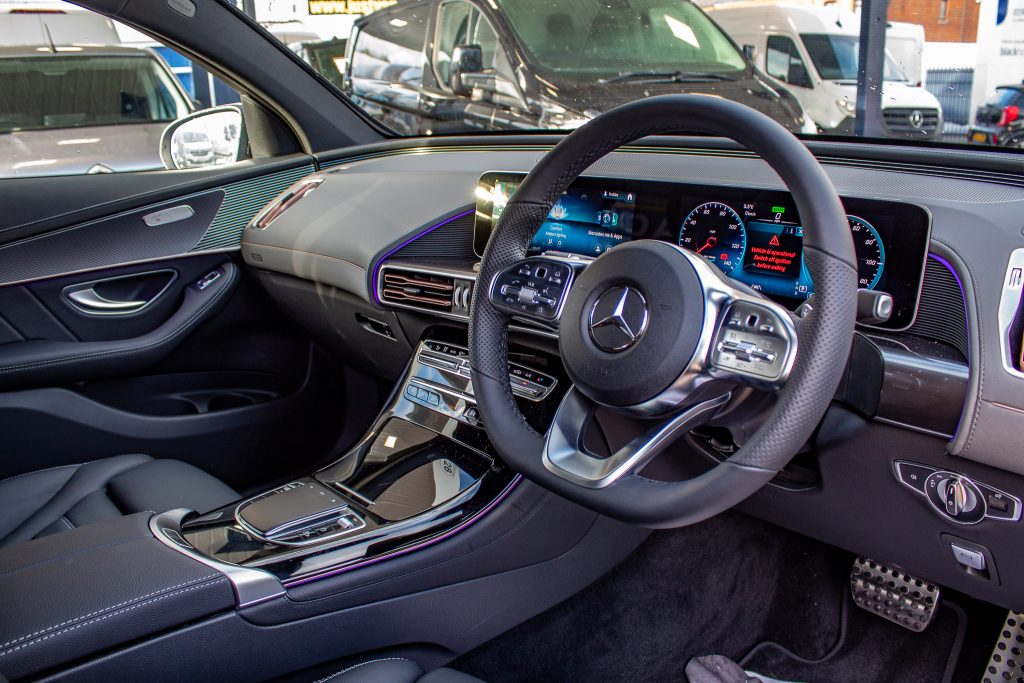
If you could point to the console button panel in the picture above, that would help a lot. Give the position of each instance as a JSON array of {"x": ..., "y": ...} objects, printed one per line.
[
  {"x": 957, "y": 497},
  {"x": 526, "y": 382}
]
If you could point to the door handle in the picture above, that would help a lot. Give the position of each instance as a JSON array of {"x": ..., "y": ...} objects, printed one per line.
[
  {"x": 91, "y": 302},
  {"x": 122, "y": 295}
]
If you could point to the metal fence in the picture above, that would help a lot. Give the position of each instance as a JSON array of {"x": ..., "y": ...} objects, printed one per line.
[{"x": 952, "y": 87}]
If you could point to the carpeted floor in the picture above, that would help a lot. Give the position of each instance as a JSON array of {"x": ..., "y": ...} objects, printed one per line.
[{"x": 725, "y": 587}]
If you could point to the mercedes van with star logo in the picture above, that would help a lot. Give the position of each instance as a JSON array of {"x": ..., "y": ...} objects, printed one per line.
[{"x": 814, "y": 52}]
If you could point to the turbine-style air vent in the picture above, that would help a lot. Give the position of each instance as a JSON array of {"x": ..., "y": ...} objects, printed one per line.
[{"x": 417, "y": 289}]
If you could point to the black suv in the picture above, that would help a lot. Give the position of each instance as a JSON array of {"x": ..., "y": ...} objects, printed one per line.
[{"x": 438, "y": 66}]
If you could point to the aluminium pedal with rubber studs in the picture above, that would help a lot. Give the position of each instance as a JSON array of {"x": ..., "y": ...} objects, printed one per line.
[
  {"x": 893, "y": 594},
  {"x": 1007, "y": 660}
]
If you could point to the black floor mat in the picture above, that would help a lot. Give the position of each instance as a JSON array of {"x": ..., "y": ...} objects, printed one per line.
[{"x": 723, "y": 587}]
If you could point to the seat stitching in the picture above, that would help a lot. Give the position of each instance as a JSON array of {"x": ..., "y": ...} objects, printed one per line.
[
  {"x": 63, "y": 518},
  {"x": 105, "y": 609},
  {"x": 57, "y": 467},
  {"x": 47, "y": 469},
  {"x": 356, "y": 666},
  {"x": 107, "y": 616},
  {"x": 183, "y": 327},
  {"x": 74, "y": 553}
]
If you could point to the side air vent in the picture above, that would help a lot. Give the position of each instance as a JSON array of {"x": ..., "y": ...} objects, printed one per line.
[
  {"x": 942, "y": 314},
  {"x": 434, "y": 292}
]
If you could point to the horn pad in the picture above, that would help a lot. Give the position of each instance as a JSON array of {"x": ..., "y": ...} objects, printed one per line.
[{"x": 632, "y": 323}]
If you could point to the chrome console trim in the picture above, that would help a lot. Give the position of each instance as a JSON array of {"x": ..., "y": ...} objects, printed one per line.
[
  {"x": 252, "y": 586},
  {"x": 1009, "y": 304}
]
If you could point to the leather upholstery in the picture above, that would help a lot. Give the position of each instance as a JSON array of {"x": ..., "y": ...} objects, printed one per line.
[
  {"x": 58, "y": 499},
  {"x": 99, "y": 587},
  {"x": 395, "y": 670}
]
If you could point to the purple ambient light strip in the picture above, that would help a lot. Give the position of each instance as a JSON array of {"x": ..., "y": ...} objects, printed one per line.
[
  {"x": 963, "y": 297},
  {"x": 380, "y": 261},
  {"x": 419, "y": 546}
]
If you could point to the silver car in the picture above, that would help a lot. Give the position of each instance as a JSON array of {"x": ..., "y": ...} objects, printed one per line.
[{"x": 84, "y": 109}]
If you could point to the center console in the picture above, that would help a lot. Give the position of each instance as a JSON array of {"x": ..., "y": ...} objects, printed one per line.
[{"x": 424, "y": 471}]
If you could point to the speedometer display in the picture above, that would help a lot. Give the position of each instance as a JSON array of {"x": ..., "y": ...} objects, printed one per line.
[
  {"x": 715, "y": 231},
  {"x": 870, "y": 252}
]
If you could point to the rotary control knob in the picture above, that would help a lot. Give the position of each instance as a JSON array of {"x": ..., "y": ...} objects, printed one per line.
[{"x": 955, "y": 496}]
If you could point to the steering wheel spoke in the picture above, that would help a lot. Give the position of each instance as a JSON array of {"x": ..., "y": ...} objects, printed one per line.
[
  {"x": 534, "y": 288},
  {"x": 755, "y": 344},
  {"x": 566, "y": 456}
]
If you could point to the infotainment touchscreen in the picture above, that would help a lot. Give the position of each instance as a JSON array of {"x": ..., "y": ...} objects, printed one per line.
[
  {"x": 582, "y": 221},
  {"x": 754, "y": 236}
]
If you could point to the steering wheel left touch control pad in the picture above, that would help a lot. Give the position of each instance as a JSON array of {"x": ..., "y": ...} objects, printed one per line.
[{"x": 534, "y": 288}]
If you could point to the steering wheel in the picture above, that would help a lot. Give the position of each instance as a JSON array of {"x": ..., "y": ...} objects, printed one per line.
[{"x": 653, "y": 331}]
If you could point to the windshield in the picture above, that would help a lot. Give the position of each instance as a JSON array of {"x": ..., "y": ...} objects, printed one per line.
[
  {"x": 598, "y": 37},
  {"x": 835, "y": 57},
  {"x": 456, "y": 67},
  {"x": 74, "y": 90}
]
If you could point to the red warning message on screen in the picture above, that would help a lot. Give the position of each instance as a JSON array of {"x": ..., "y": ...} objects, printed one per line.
[{"x": 772, "y": 252}]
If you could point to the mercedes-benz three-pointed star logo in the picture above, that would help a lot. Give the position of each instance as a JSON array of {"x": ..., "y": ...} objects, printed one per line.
[{"x": 618, "y": 319}]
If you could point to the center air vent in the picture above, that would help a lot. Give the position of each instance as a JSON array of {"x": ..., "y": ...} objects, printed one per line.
[{"x": 428, "y": 291}]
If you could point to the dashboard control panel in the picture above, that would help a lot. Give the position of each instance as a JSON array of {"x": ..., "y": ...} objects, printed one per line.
[
  {"x": 754, "y": 236},
  {"x": 452, "y": 358},
  {"x": 958, "y": 497}
]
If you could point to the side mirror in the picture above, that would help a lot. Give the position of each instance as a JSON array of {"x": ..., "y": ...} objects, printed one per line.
[
  {"x": 797, "y": 75},
  {"x": 750, "y": 51},
  {"x": 466, "y": 59},
  {"x": 212, "y": 137}
]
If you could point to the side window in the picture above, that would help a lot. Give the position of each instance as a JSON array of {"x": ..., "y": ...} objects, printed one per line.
[
  {"x": 782, "y": 61},
  {"x": 453, "y": 29},
  {"x": 81, "y": 94},
  {"x": 389, "y": 47},
  {"x": 485, "y": 36}
]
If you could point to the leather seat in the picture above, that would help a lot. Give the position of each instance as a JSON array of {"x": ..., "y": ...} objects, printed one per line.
[
  {"x": 395, "y": 670},
  {"x": 61, "y": 498}
]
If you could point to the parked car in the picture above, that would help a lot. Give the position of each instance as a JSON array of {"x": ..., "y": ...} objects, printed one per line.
[
  {"x": 814, "y": 51},
  {"x": 516, "y": 66},
  {"x": 1000, "y": 120},
  {"x": 128, "y": 95},
  {"x": 326, "y": 56}
]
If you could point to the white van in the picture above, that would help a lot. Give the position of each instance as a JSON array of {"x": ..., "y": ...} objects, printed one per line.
[
  {"x": 57, "y": 23},
  {"x": 813, "y": 50}
]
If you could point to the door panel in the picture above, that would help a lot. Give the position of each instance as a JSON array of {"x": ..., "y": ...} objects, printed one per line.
[{"x": 207, "y": 372}]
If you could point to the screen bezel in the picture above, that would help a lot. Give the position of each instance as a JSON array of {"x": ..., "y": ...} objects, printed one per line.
[{"x": 661, "y": 207}]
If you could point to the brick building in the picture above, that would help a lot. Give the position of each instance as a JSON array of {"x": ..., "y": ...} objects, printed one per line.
[{"x": 944, "y": 21}]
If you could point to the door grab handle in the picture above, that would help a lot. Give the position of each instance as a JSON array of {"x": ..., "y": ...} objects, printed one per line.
[{"x": 89, "y": 300}]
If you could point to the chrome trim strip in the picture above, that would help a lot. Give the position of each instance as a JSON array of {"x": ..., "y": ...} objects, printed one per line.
[
  {"x": 252, "y": 586},
  {"x": 1009, "y": 305}
]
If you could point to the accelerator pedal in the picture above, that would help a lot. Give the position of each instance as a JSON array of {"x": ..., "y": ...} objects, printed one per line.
[
  {"x": 893, "y": 594},
  {"x": 1007, "y": 660}
]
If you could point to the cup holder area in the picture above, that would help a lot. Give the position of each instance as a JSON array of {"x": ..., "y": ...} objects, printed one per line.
[{"x": 190, "y": 393}]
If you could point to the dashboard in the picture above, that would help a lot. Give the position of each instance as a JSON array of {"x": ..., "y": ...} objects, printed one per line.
[
  {"x": 387, "y": 251},
  {"x": 754, "y": 236}
]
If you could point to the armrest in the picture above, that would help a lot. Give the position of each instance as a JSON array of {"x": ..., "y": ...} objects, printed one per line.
[{"x": 84, "y": 591}]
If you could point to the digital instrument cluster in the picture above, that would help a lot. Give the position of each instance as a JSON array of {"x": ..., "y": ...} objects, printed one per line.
[{"x": 753, "y": 236}]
